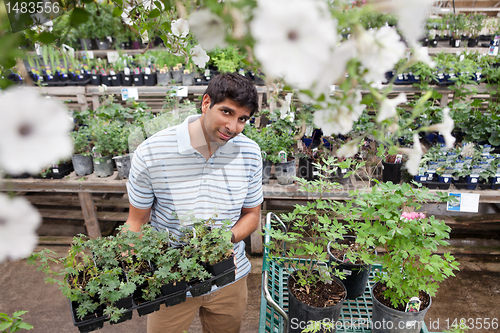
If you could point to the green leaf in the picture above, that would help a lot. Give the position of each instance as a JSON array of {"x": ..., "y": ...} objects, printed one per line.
[
  {"x": 19, "y": 313},
  {"x": 25, "y": 326},
  {"x": 79, "y": 16},
  {"x": 5, "y": 325},
  {"x": 154, "y": 13},
  {"x": 117, "y": 12},
  {"x": 46, "y": 37},
  {"x": 87, "y": 1}
]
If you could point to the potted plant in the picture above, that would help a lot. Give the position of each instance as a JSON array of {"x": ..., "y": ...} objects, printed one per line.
[
  {"x": 262, "y": 139},
  {"x": 82, "y": 151},
  {"x": 409, "y": 239},
  {"x": 474, "y": 25},
  {"x": 314, "y": 292},
  {"x": 212, "y": 247},
  {"x": 122, "y": 158},
  {"x": 391, "y": 165},
  {"x": 105, "y": 138}
]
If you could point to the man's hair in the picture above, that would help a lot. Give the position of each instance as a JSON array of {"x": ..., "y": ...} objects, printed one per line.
[{"x": 235, "y": 87}]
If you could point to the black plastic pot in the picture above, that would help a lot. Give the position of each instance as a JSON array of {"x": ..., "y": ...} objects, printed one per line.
[
  {"x": 86, "y": 44},
  {"x": 300, "y": 313},
  {"x": 138, "y": 79},
  {"x": 285, "y": 172},
  {"x": 306, "y": 168},
  {"x": 90, "y": 322},
  {"x": 127, "y": 80},
  {"x": 472, "y": 42},
  {"x": 356, "y": 275},
  {"x": 177, "y": 76},
  {"x": 176, "y": 293},
  {"x": 200, "y": 288},
  {"x": 433, "y": 43},
  {"x": 391, "y": 172},
  {"x": 266, "y": 171},
  {"x": 106, "y": 80},
  {"x": 387, "y": 320},
  {"x": 150, "y": 79},
  {"x": 102, "y": 44},
  {"x": 116, "y": 79},
  {"x": 123, "y": 165},
  {"x": 95, "y": 79},
  {"x": 221, "y": 266},
  {"x": 147, "y": 307},
  {"x": 103, "y": 166},
  {"x": 61, "y": 170},
  {"x": 82, "y": 164},
  {"x": 124, "y": 317},
  {"x": 225, "y": 278}
]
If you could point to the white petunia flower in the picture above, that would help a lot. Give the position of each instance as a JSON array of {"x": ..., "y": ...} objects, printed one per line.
[
  {"x": 421, "y": 54},
  {"x": 18, "y": 224},
  {"x": 379, "y": 50},
  {"x": 294, "y": 39},
  {"x": 388, "y": 107},
  {"x": 208, "y": 29},
  {"x": 412, "y": 15},
  {"x": 349, "y": 149},
  {"x": 445, "y": 128},
  {"x": 339, "y": 117},
  {"x": 199, "y": 56},
  {"x": 285, "y": 105},
  {"x": 34, "y": 131},
  {"x": 335, "y": 68},
  {"x": 414, "y": 155},
  {"x": 180, "y": 28}
]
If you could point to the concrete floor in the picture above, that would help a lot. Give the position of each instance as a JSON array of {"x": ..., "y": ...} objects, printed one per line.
[{"x": 473, "y": 294}]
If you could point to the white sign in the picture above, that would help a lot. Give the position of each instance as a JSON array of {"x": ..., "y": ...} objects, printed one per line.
[
  {"x": 467, "y": 202},
  {"x": 130, "y": 93},
  {"x": 112, "y": 56}
]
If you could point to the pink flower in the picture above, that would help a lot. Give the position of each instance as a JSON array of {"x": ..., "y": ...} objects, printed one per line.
[{"x": 412, "y": 216}]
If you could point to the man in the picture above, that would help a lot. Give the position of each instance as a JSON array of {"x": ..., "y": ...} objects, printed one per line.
[{"x": 203, "y": 167}]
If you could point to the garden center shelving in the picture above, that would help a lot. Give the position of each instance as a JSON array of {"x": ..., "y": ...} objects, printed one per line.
[{"x": 87, "y": 186}]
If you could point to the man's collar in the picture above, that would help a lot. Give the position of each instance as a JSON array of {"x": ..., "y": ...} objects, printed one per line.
[{"x": 184, "y": 140}]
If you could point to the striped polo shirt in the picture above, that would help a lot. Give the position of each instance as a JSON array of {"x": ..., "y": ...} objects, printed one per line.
[{"x": 173, "y": 178}]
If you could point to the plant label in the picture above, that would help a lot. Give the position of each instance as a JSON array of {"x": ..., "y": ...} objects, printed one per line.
[
  {"x": 347, "y": 272},
  {"x": 413, "y": 306}
]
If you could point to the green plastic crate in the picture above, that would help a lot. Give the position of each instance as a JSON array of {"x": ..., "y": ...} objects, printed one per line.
[{"x": 353, "y": 311}]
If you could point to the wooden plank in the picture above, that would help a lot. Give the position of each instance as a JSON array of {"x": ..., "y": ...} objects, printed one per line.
[
  {"x": 78, "y": 215},
  {"x": 89, "y": 214},
  {"x": 68, "y": 200}
]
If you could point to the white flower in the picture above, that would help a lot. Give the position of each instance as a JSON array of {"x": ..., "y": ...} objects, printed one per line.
[
  {"x": 34, "y": 131},
  {"x": 180, "y": 28},
  {"x": 379, "y": 50},
  {"x": 208, "y": 29},
  {"x": 412, "y": 15},
  {"x": 285, "y": 105},
  {"x": 336, "y": 120},
  {"x": 349, "y": 149},
  {"x": 294, "y": 39},
  {"x": 414, "y": 155},
  {"x": 421, "y": 54},
  {"x": 338, "y": 117},
  {"x": 18, "y": 224},
  {"x": 335, "y": 68},
  {"x": 199, "y": 56},
  {"x": 102, "y": 88},
  {"x": 388, "y": 107},
  {"x": 445, "y": 128},
  {"x": 126, "y": 16}
]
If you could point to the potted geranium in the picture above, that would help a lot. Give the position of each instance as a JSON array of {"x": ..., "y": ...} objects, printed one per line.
[{"x": 409, "y": 240}]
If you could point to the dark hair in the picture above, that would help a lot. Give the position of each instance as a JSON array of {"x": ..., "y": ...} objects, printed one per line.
[{"x": 237, "y": 88}]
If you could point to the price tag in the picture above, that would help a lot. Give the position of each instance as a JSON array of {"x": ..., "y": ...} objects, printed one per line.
[
  {"x": 181, "y": 91},
  {"x": 55, "y": 170},
  {"x": 89, "y": 54},
  {"x": 97, "y": 162},
  {"x": 347, "y": 272}
]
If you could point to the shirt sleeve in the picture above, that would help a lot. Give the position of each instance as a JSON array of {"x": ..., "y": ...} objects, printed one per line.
[
  {"x": 139, "y": 186},
  {"x": 254, "y": 195}
]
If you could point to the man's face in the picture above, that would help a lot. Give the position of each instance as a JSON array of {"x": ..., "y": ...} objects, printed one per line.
[{"x": 222, "y": 121}]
